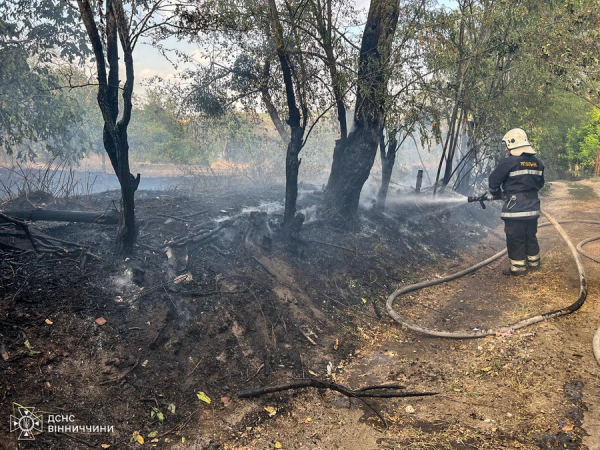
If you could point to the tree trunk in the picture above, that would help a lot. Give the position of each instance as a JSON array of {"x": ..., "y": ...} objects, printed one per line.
[
  {"x": 292, "y": 165},
  {"x": 387, "y": 166},
  {"x": 115, "y": 132},
  {"x": 353, "y": 157},
  {"x": 127, "y": 231},
  {"x": 292, "y": 162},
  {"x": 449, "y": 145}
]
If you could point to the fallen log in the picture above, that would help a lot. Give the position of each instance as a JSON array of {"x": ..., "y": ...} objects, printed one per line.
[{"x": 110, "y": 217}]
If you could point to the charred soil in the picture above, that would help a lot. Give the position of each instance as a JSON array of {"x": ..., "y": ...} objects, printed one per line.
[{"x": 156, "y": 346}]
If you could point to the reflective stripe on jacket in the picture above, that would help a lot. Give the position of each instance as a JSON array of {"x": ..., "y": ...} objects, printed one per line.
[{"x": 518, "y": 179}]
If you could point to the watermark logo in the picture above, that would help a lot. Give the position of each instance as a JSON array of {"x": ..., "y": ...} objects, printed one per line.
[{"x": 26, "y": 422}]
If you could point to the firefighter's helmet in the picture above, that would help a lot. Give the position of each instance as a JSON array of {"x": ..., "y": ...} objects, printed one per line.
[{"x": 516, "y": 141}]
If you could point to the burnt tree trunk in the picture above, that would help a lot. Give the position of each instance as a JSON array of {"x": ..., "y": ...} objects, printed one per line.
[
  {"x": 388, "y": 158},
  {"x": 292, "y": 166},
  {"x": 296, "y": 122},
  {"x": 353, "y": 157},
  {"x": 115, "y": 130}
]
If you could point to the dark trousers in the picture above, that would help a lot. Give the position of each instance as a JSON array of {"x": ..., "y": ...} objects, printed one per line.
[{"x": 521, "y": 240}]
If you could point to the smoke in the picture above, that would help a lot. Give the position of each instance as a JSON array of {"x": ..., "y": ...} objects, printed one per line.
[
  {"x": 269, "y": 207},
  {"x": 277, "y": 208}
]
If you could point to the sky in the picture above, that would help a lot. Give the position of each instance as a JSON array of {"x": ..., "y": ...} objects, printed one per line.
[{"x": 150, "y": 63}]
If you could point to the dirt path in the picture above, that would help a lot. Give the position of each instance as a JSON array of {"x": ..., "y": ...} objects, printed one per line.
[{"x": 537, "y": 388}]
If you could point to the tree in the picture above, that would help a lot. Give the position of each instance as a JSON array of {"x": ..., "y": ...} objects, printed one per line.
[
  {"x": 566, "y": 44},
  {"x": 353, "y": 157},
  {"x": 407, "y": 105},
  {"x": 484, "y": 80},
  {"x": 125, "y": 28},
  {"x": 53, "y": 26},
  {"x": 297, "y": 117},
  {"x": 337, "y": 48},
  {"x": 278, "y": 65},
  {"x": 116, "y": 28}
]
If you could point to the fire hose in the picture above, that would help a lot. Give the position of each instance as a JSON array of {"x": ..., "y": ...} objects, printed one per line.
[{"x": 517, "y": 325}]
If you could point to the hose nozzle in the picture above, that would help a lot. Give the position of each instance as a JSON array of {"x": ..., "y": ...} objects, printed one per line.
[{"x": 479, "y": 199}]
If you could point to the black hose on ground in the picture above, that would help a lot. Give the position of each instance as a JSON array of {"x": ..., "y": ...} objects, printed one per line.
[{"x": 517, "y": 325}]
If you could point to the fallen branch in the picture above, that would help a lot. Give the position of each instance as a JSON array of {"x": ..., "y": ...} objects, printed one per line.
[
  {"x": 42, "y": 243},
  {"x": 200, "y": 238},
  {"x": 23, "y": 226},
  {"x": 218, "y": 250},
  {"x": 308, "y": 338},
  {"x": 204, "y": 226},
  {"x": 378, "y": 391},
  {"x": 265, "y": 268},
  {"x": 256, "y": 373},
  {"x": 186, "y": 218},
  {"x": 180, "y": 426},
  {"x": 10, "y": 248},
  {"x": 110, "y": 217}
]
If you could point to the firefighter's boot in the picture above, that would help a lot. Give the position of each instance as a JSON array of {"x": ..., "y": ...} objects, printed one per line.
[
  {"x": 534, "y": 262},
  {"x": 517, "y": 268}
]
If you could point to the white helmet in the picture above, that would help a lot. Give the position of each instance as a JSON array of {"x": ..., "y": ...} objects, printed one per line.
[{"x": 516, "y": 141}]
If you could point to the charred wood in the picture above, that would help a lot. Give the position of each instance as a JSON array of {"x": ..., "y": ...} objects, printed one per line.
[
  {"x": 379, "y": 391},
  {"x": 110, "y": 217}
]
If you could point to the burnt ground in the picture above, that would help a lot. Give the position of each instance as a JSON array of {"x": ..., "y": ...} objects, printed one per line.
[{"x": 222, "y": 315}]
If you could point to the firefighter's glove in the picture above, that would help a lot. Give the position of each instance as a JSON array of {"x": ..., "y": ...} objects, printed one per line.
[
  {"x": 495, "y": 196},
  {"x": 486, "y": 196}
]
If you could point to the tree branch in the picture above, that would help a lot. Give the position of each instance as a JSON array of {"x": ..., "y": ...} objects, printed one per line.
[{"x": 379, "y": 391}]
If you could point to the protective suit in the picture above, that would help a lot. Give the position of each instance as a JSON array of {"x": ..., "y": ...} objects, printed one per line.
[{"x": 517, "y": 181}]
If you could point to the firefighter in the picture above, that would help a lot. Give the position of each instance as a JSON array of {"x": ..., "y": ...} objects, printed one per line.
[{"x": 517, "y": 181}]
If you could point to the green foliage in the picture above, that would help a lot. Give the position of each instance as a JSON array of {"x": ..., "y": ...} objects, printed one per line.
[
  {"x": 47, "y": 29},
  {"x": 36, "y": 113},
  {"x": 548, "y": 122},
  {"x": 583, "y": 145},
  {"x": 495, "y": 65},
  {"x": 155, "y": 133},
  {"x": 161, "y": 133},
  {"x": 566, "y": 45}
]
